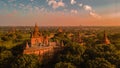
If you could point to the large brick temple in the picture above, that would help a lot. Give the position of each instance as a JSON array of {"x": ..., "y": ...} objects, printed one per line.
[{"x": 40, "y": 45}]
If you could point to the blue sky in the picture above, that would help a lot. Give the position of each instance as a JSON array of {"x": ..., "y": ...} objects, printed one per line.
[
  {"x": 97, "y": 5},
  {"x": 82, "y": 8}
]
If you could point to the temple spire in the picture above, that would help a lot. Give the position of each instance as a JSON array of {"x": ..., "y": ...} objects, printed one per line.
[
  {"x": 36, "y": 29},
  {"x": 12, "y": 30},
  {"x": 80, "y": 38},
  {"x": 106, "y": 40},
  {"x": 27, "y": 46},
  {"x": 61, "y": 44},
  {"x": 60, "y": 30}
]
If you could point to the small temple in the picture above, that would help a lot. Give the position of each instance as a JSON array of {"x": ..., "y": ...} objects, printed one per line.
[
  {"x": 12, "y": 30},
  {"x": 60, "y": 30},
  {"x": 78, "y": 39},
  {"x": 106, "y": 40}
]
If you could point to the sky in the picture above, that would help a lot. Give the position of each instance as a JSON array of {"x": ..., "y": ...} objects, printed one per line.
[{"x": 60, "y": 12}]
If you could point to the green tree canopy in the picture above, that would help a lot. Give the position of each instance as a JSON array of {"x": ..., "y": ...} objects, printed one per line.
[
  {"x": 26, "y": 61},
  {"x": 64, "y": 65},
  {"x": 99, "y": 63}
]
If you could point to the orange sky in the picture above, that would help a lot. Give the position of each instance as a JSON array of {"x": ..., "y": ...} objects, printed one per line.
[{"x": 58, "y": 19}]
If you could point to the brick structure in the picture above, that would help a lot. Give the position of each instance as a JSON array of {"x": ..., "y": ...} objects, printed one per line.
[
  {"x": 12, "y": 30},
  {"x": 60, "y": 30},
  {"x": 78, "y": 39},
  {"x": 40, "y": 44},
  {"x": 106, "y": 40},
  {"x": 36, "y": 38}
]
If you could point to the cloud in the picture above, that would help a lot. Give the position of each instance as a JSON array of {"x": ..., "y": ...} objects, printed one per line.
[
  {"x": 11, "y": 0},
  {"x": 39, "y": 9},
  {"x": 74, "y": 11},
  {"x": 90, "y": 10},
  {"x": 60, "y": 3},
  {"x": 36, "y": 8},
  {"x": 50, "y": 2},
  {"x": 80, "y": 4},
  {"x": 31, "y": 0},
  {"x": 73, "y": 2},
  {"x": 55, "y": 4},
  {"x": 94, "y": 15},
  {"x": 21, "y": 5}
]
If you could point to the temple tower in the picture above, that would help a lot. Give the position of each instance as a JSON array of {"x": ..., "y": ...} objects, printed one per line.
[
  {"x": 80, "y": 38},
  {"x": 36, "y": 37},
  {"x": 46, "y": 41},
  {"x": 27, "y": 46},
  {"x": 106, "y": 40},
  {"x": 12, "y": 30},
  {"x": 36, "y": 31},
  {"x": 60, "y": 30}
]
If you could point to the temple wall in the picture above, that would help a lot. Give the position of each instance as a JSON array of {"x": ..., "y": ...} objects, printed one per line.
[{"x": 36, "y": 40}]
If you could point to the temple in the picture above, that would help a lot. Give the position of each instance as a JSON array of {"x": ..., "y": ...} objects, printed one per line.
[
  {"x": 78, "y": 39},
  {"x": 12, "y": 30},
  {"x": 60, "y": 30},
  {"x": 40, "y": 45},
  {"x": 106, "y": 40},
  {"x": 37, "y": 39}
]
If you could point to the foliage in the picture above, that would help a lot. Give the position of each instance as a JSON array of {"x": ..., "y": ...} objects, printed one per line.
[
  {"x": 99, "y": 63},
  {"x": 5, "y": 59},
  {"x": 64, "y": 65},
  {"x": 108, "y": 52},
  {"x": 26, "y": 61},
  {"x": 93, "y": 54},
  {"x": 72, "y": 53}
]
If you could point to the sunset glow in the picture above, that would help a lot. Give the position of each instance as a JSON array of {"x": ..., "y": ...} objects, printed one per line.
[{"x": 60, "y": 12}]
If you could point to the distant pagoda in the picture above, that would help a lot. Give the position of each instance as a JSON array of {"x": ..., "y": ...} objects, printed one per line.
[
  {"x": 106, "y": 40},
  {"x": 60, "y": 30},
  {"x": 12, "y": 30},
  {"x": 78, "y": 39}
]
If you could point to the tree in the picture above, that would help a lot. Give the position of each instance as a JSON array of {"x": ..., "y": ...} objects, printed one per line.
[
  {"x": 2, "y": 48},
  {"x": 99, "y": 50},
  {"x": 5, "y": 38},
  {"x": 72, "y": 53},
  {"x": 64, "y": 65},
  {"x": 108, "y": 52},
  {"x": 26, "y": 61},
  {"x": 99, "y": 63},
  {"x": 5, "y": 59}
]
